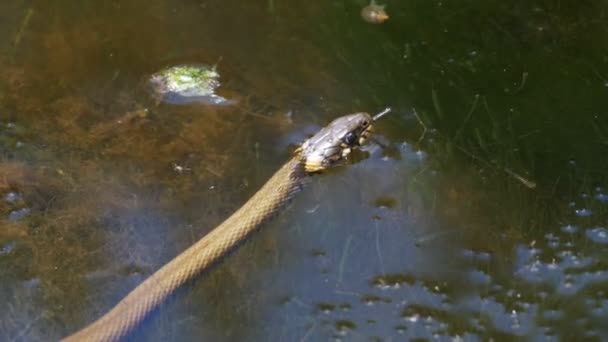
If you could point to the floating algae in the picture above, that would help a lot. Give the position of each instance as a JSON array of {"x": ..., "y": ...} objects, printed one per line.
[{"x": 184, "y": 84}]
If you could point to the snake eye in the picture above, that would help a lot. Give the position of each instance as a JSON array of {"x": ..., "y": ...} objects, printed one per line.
[
  {"x": 350, "y": 139},
  {"x": 365, "y": 123}
]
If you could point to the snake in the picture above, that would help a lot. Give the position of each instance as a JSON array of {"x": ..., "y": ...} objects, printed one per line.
[{"x": 325, "y": 149}]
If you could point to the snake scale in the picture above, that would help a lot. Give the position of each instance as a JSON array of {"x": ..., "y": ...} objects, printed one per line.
[{"x": 323, "y": 150}]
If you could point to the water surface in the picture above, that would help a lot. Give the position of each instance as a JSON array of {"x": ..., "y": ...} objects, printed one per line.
[{"x": 479, "y": 212}]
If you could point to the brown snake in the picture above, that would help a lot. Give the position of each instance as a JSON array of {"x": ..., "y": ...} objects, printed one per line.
[{"x": 323, "y": 150}]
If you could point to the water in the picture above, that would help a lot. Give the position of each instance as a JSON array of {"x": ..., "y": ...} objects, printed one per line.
[{"x": 479, "y": 212}]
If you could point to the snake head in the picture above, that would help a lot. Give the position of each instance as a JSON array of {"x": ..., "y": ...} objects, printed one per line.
[{"x": 335, "y": 142}]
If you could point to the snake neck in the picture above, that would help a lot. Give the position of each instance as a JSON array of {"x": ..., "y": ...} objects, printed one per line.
[{"x": 264, "y": 204}]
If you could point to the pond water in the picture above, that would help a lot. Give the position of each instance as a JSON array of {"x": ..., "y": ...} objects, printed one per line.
[{"x": 479, "y": 212}]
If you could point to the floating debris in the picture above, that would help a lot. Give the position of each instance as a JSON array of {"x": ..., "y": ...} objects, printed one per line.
[
  {"x": 374, "y": 13},
  {"x": 185, "y": 84}
]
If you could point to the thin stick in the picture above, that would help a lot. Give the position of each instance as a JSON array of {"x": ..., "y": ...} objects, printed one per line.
[
  {"x": 524, "y": 77},
  {"x": 473, "y": 106},
  {"x": 343, "y": 258},
  {"x": 24, "y": 24},
  {"x": 421, "y": 124},
  {"x": 382, "y": 113},
  {"x": 378, "y": 248},
  {"x": 528, "y": 183},
  {"x": 434, "y": 236},
  {"x": 436, "y": 103}
]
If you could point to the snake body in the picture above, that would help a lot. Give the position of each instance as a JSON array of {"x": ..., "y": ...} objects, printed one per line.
[{"x": 329, "y": 146}]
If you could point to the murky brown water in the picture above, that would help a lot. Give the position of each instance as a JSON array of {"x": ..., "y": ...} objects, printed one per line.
[{"x": 479, "y": 213}]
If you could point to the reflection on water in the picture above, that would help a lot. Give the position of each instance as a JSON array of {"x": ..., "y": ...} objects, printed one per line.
[{"x": 478, "y": 212}]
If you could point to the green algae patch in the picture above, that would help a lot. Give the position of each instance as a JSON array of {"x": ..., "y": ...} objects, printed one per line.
[{"x": 193, "y": 83}]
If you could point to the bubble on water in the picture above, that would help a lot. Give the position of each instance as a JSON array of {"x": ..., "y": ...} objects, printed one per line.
[
  {"x": 413, "y": 318},
  {"x": 601, "y": 309},
  {"x": 551, "y": 237},
  {"x": 392, "y": 280},
  {"x": 479, "y": 278},
  {"x": 598, "y": 234},
  {"x": 370, "y": 300},
  {"x": 420, "y": 154},
  {"x": 568, "y": 287},
  {"x": 476, "y": 256},
  {"x": 7, "y": 248},
  {"x": 12, "y": 196},
  {"x": 583, "y": 212},
  {"x": 552, "y": 240},
  {"x": 386, "y": 202},
  {"x": 570, "y": 229},
  {"x": 325, "y": 308},
  {"x": 601, "y": 197},
  {"x": 553, "y": 315},
  {"x": 345, "y": 307},
  {"x": 570, "y": 260},
  {"x": 18, "y": 214},
  {"x": 345, "y": 325}
]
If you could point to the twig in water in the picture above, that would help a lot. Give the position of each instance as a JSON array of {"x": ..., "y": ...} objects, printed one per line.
[
  {"x": 436, "y": 103},
  {"x": 475, "y": 157},
  {"x": 466, "y": 119},
  {"x": 343, "y": 259},
  {"x": 530, "y": 184},
  {"x": 434, "y": 236},
  {"x": 378, "y": 247},
  {"x": 308, "y": 332},
  {"x": 524, "y": 77},
  {"x": 26, "y": 329},
  {"x": 421, "y": 124},
  {"x": 24, "y": 23},
  {"x": 381, "y": 114}
]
